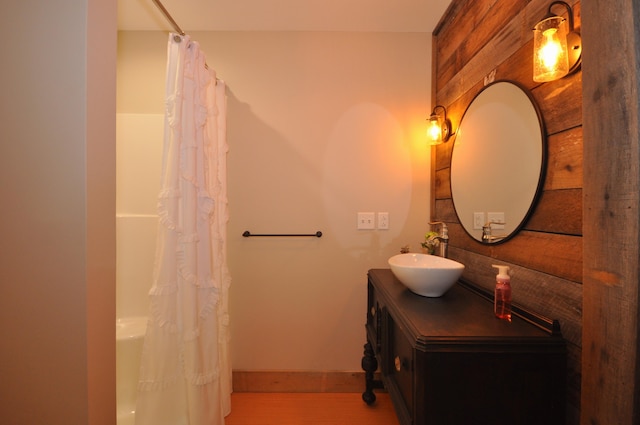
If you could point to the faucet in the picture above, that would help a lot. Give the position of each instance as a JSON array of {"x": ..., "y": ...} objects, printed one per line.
[
  {"x": 486, "y": 232},
  {"x": 443, "y": 237}
]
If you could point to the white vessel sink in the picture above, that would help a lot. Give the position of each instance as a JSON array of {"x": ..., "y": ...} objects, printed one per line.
[{"x": 426, "y": 275}]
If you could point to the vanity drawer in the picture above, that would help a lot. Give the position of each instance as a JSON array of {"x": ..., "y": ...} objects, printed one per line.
[
  {"x": 400, "y": 370},
  {"x": 374, "y": 319}
]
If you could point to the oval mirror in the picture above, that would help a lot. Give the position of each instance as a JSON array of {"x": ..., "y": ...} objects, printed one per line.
[{"x": 497, "y": 162}]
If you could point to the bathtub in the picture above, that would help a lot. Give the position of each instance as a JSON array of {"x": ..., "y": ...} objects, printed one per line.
[{"x": 129, "y": 338}]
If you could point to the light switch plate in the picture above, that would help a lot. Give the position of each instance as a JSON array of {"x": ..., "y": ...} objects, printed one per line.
[
  {"x": 496, "y": 217},
  {"x": 366, "y": 221}
]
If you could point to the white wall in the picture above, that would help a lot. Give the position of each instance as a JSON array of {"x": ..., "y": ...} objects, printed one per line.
[
  {"x": 139, "y": 156},
  {"x": 57, "y": 167},
  {"x": 320, "y": 126}
]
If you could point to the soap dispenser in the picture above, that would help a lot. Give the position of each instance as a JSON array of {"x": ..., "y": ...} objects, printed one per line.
[{"x": 502, "y": 295}]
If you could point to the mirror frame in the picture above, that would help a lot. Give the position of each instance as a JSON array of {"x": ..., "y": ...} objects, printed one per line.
[{"x": 543, "y": 163}]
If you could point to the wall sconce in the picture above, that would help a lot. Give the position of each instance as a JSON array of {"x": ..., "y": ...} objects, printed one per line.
[
  {"x": 439, "y": 129},
  {"x": 557, "y": 51}
]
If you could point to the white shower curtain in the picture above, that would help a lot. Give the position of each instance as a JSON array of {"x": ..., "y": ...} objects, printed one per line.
[{"x": 185, "y": 375}]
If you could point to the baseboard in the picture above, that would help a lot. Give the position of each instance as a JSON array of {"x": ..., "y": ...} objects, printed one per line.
[{"x": 298, "y": 382}]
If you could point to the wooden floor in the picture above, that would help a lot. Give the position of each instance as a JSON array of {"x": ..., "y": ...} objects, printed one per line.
[{"x": 309, "y": 409}]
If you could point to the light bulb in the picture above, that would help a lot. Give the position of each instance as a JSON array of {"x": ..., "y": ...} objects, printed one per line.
[{"x": 551, "y": 50}]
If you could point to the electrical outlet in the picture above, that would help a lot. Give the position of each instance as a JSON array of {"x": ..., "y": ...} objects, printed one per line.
[
  {"x": 383, "y": 220},
  {"x": 496, "y": 217},
  {"x": 478, "y": 220},
  {"x": 366, "y": 220}
]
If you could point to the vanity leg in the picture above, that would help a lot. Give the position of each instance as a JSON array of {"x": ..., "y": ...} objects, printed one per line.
[{"x": 369, "y": 365}]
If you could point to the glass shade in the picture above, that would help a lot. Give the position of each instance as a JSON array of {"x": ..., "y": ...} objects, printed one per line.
[
  {"x": 550, "y": 57},
  {"x": 435, "y": 129}
]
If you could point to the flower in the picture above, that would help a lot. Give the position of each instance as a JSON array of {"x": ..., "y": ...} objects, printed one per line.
[{"x": 431, "y": 242}]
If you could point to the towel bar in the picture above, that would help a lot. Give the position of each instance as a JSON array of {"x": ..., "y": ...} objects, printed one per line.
[{"x": 317, "y": 234}]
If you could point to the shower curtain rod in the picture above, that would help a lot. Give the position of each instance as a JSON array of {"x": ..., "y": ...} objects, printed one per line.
[
  {"x": 175, "y": 25},
  {"x": 169, "y": 17}
]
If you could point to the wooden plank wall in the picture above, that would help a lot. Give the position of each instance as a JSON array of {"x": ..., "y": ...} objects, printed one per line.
[
  {"x": 478, "y": 41},
  {"x": 611, "y": 271}
]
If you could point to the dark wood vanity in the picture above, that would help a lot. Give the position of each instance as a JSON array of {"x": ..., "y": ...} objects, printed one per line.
[{"x": 449, "y": 360}]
